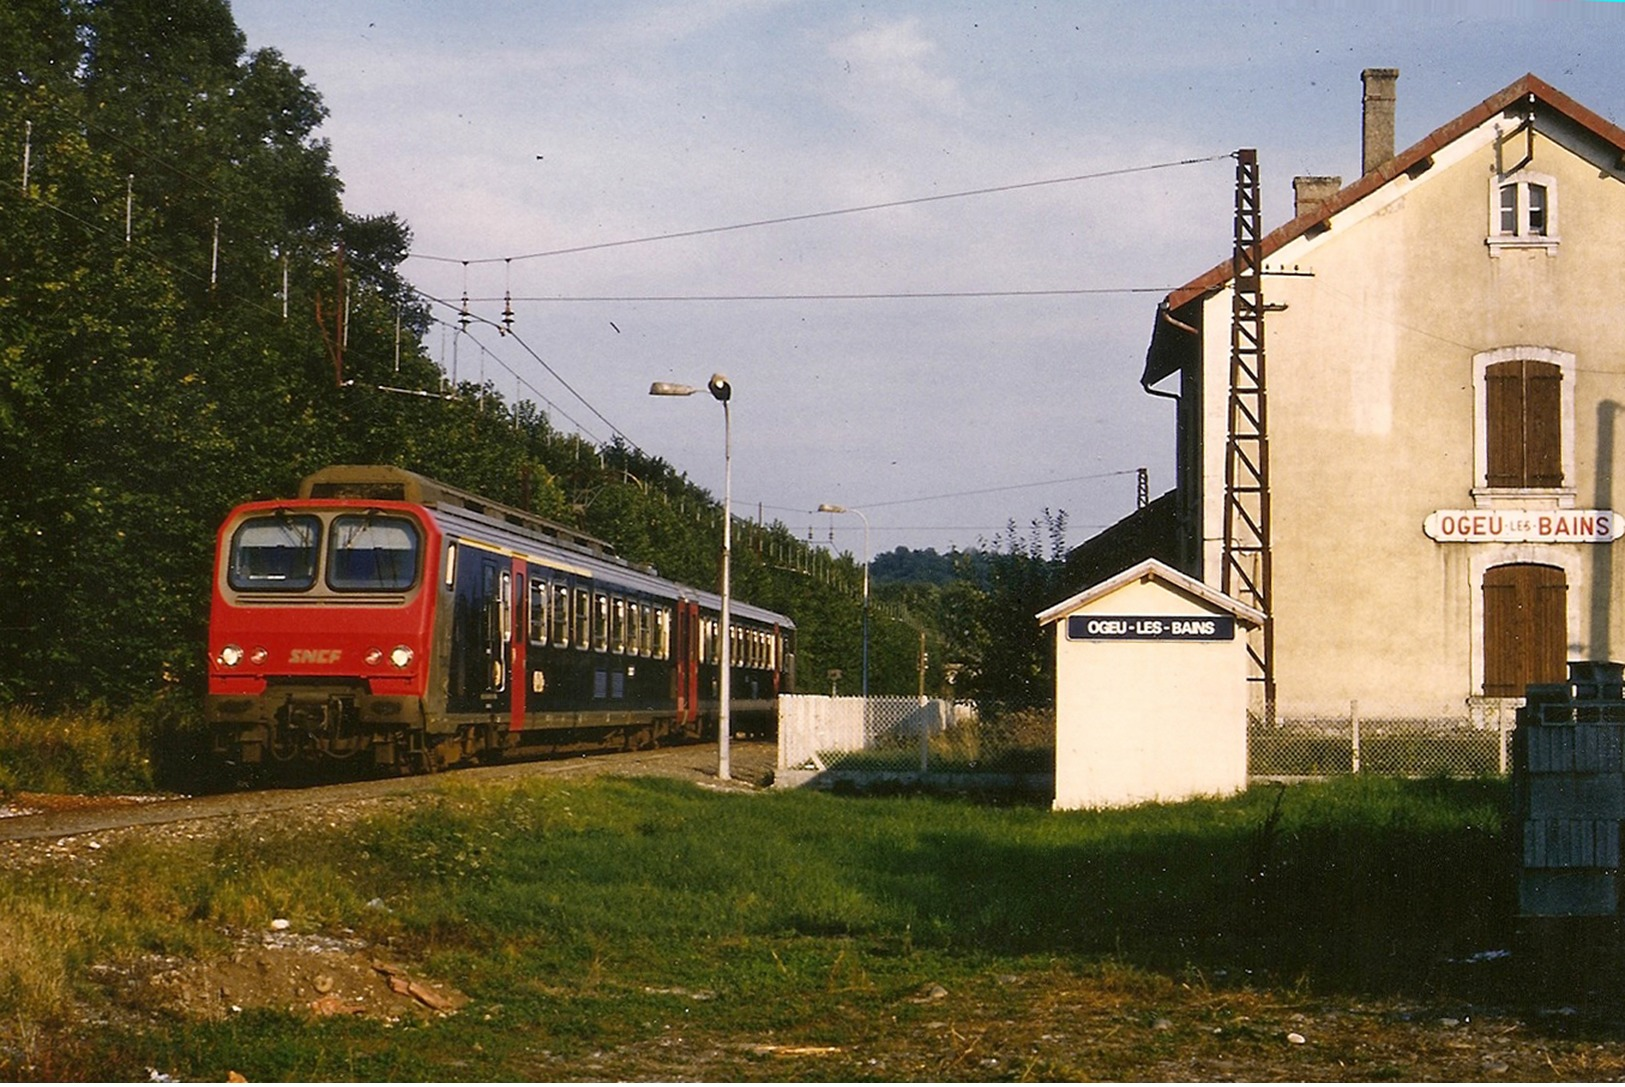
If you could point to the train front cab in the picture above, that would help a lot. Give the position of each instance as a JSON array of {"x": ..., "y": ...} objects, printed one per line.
[{"x": 320, "y": 633}]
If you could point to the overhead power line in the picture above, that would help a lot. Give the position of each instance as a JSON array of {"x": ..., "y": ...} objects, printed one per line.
[
  {"x": 995, "y": 490},
  {"x": 828, "y": 297},
  {"x": 808, "y": 216}
]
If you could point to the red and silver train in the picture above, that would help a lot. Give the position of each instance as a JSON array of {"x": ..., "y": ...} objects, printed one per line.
[{"x": 387, "y": 619}]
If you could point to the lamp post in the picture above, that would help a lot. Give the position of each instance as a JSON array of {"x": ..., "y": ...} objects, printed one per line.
[
  {"x": 830, "y": 508},
  {"x": 722, "y": 391}
]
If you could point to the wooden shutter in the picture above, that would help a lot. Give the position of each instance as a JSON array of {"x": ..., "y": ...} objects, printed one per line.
[
  {"x": 1523, "y": 411},
  {"x": 1503, "y": 412},
  {"x": 1503, "y": 645},
  {"x": 1543, "y": 425},
  {"x": 1525, "y": 628},
  {"x": 1549, "y": 647}
]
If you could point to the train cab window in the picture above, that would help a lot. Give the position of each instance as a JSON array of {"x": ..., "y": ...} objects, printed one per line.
[
  {"x": 538, "y": 610},
  {"x": 276, "y": 553},
  {"x": 600, "y": 622},
  {"x": 561, "y": 615},
  {"x": 617, "y": 626},
  {"x": 372, "y": 553},
  {"x": 583, "y": 619}
]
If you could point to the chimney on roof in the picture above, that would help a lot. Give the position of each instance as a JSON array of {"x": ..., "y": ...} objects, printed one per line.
[
  {"x": 1377, "y": 131},
  {"x": 1310, "y": 192}
]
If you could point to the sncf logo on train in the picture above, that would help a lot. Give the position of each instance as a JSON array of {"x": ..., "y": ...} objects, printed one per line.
[
  {"x": 1156, "y": 628},
  {"x": 314, "y": 656}
]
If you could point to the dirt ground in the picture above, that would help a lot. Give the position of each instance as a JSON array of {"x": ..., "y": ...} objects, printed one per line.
[{"x": 1070, "y": 1022}]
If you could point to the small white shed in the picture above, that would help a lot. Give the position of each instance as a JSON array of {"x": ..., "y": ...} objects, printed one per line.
[{"x": 1151, "y": 690}]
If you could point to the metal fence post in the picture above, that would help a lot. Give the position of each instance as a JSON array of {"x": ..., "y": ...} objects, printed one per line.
[
  {"x": 1501, "y": 726},
  {"x": 1354, "y": 729},
  {"x": 925, "y": 742}
]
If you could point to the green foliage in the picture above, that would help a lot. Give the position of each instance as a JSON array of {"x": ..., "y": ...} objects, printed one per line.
[
  {"x": 93, "y": 751},
  {"x": 147, "y": 385}
]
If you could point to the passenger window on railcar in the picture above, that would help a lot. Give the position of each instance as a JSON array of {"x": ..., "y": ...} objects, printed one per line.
[
  {"x": 617, "y": 625},
  {"x": 538, "y": 610},
  {"x": 600, "y": 622},
  {"x": 561, "y": 615},
  {"x": 369, "y": 553},
  {"x": 275, "y": 553},
  {"x": 583, "y": 619},
  {"x": 634, "y": 629},
  {"x": 645, "y": 634},
  {"x": 662, "y": 635}
]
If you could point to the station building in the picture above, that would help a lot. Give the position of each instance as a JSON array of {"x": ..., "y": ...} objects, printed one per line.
[{"x": 1445, "y": 346}]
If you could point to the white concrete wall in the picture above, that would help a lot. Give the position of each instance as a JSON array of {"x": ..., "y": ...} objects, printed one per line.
[
  {"x": 812, "y": 724},
  {"x": 809, "y": 724}
]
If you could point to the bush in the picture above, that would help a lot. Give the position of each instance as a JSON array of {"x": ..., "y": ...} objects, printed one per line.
[{"x": 89, "y": 751}]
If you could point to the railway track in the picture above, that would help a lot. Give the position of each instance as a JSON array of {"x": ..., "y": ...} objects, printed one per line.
[{"x": 752, "y": 762}]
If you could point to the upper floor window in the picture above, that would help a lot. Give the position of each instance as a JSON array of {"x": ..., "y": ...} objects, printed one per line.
[
  {"x": 1523, "y": 211},
  {"x": 1524, "y": 424},
  {"x": 1525, "y": 428}
]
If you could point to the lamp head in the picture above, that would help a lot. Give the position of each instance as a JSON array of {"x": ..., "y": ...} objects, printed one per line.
[{"x": 720, "y": 388}]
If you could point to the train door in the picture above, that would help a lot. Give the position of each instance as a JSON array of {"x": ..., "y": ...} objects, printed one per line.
[
  {"x": 518, "y": 638},
  {"x": 483, "y": 633},
  {"x": 686, "y": 659}
]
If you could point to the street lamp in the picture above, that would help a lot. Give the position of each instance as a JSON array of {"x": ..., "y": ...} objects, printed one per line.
[
  {"x": 830, "y": 508},
  {"x": 722, "y": 391}
]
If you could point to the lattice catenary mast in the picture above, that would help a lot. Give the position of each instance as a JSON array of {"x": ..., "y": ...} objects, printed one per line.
[{"x": 1246, "y": 564}]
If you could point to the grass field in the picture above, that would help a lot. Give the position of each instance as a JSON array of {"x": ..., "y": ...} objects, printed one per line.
[{"x": 585, "y": 917}]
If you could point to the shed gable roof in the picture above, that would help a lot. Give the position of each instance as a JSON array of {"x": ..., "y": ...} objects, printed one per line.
[
  {"x": 1161, "y": 360},
  {"x": 1153, "y": 570}
]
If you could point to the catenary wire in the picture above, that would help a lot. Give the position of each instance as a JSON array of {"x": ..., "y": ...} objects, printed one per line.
[
  {"x": 850, "y": 296},
  {"x": 807, "y": 216}
]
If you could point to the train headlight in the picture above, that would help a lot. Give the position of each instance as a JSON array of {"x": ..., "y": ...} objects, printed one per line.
[
  {"x": 231, "y": 656},
  {"x": 401, "y": 656},
  {"x": 260, "y": 655},
  {"x": 375, "y": 657}
]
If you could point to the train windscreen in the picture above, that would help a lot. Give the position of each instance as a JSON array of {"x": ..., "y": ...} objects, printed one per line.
[
  {"x": 370, "y": 553},
  {"x": 275, "y": 553}
]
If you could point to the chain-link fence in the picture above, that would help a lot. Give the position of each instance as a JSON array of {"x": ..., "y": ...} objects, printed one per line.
[
  {"x": 891, "y": 736},
  {"x": 965, "y": 744},
  {"x": 1319, "y": 746}
]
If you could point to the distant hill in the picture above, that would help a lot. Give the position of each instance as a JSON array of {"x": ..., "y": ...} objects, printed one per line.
[{"x": 907, "y": 566}]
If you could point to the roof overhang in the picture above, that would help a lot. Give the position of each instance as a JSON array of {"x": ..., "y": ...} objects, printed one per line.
[{"x": 1152, "y": 570}]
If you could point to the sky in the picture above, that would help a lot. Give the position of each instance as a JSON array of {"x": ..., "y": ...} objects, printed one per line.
[{"x": 924, "y": 240}]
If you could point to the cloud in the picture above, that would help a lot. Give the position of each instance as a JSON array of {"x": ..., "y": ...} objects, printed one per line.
[{"x": 892, "y": 68}]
